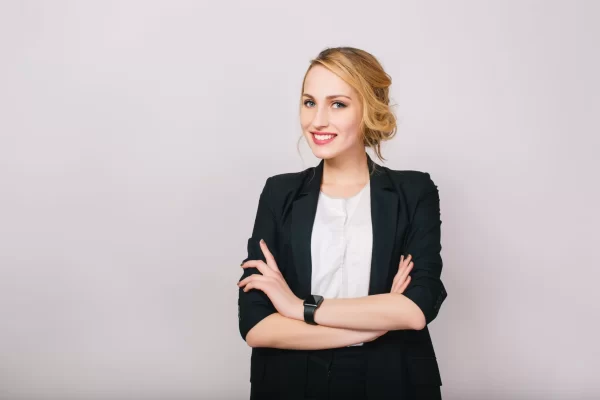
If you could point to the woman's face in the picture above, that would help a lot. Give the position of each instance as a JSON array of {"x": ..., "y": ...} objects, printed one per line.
[{"x": 330, "y": 114}]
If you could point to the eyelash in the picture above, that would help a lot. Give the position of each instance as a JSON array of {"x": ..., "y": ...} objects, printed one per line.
[{"x": 335, "y": 102}]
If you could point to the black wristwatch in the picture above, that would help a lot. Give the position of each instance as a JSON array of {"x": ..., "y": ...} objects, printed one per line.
[{"x": 311, "y": 303}]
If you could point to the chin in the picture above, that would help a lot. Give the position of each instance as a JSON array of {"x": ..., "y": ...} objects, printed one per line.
[{"x": 324, "y": 154}]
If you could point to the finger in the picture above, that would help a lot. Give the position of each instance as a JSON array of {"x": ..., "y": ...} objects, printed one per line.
[
  {"x": 401, "y": 285},
  {"x": 405, "y": 285},
  {"x": 399, "y": 268},
  {"x": 396, "y": 277},
  {"x": 268, "y": 255},
  {"x": 402, "y": 270},
  {"x": 397, "y": 282},
  {"x": 251, "y": 285},
  {"x": 397, "y": 286},
  {"x": 249, "y": 279},
  {"x": 401, "y": 277},
  {"x": 405, "y": 273},
  {"x": 260, "y": 265},
  {"x": 403, "y": 263},
  {"x": 257, "y": 282}
]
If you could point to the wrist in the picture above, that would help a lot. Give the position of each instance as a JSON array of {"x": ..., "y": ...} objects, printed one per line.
[
  {"x": 296, "y": 310},
  {"x": 310, "y": 306},
  {"x": 299, "y": 310}
]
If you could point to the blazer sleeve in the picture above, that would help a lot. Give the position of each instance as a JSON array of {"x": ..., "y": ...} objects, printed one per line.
[
  {"x": 255, "y": 305},
  {"x": 423, "y": 241}
]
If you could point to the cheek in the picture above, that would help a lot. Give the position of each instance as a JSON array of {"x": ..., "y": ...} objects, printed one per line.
[
  {"x": 305, "y": 118},
  {"x": 350, "y": 125}
]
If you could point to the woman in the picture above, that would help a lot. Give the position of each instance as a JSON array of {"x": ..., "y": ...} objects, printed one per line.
[{"x": 343, "y": 269}]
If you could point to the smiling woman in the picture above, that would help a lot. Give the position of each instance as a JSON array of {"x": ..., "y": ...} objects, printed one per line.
[
  {"x": 355, "y": 103},
  {"x": 342, "y": 276}
]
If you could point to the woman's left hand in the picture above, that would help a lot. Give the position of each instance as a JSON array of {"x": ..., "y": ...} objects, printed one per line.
[{"x": 272, "y": 283}]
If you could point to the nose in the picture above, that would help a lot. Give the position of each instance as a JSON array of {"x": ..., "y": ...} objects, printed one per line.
[{"x": 321, "y": 118}]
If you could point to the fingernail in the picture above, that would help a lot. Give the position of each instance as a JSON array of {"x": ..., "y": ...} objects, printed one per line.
[{"x": 262, "y": 241}]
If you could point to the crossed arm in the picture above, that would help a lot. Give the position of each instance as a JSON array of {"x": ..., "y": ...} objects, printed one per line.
[
  {"x": 272, "y": 316},
  {"x": 342, "y": 322},
  {"x": 282, "y": 332}
]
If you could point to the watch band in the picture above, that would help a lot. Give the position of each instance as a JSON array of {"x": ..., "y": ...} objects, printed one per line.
[
  {"x": 311, "y": 304},
  {"x": 309, "y": 314}
]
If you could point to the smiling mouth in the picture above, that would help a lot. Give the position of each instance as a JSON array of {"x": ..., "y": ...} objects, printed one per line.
[{"x": 323, "y": 136}]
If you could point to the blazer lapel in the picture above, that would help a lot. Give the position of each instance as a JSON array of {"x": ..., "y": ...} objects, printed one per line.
[
  {"x": 384, "y": 213},
  {"x": 384, "y": 217},
  {"x": 303, "y": 218}
]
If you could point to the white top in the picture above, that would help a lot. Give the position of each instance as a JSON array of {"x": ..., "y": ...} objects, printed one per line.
[{"x": 341, "y": 246}]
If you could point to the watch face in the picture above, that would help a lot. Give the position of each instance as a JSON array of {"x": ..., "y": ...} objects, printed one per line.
[
  {"x": 309, "y": 300},
  {"x": 313, "y": 300}
]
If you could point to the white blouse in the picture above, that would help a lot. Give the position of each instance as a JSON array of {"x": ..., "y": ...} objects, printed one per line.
[{"x": 341, "y": 246}]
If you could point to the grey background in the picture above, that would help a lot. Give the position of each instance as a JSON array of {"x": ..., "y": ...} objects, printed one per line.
[{"x": 135, "y": 137}]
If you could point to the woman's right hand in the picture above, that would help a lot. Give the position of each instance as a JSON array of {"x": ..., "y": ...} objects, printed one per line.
[
  {"x": 399, "y": 285},
  {"x": 402, "y": 278}
]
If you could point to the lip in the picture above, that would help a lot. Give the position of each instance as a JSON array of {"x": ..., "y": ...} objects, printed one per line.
[{"x": 322, "y": 142}]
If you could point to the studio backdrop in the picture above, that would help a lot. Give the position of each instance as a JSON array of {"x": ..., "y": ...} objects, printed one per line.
[{"x": 136, "y": 136}]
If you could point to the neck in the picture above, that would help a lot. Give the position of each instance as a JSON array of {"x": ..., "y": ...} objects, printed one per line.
[{"x": 346, "y": 169}]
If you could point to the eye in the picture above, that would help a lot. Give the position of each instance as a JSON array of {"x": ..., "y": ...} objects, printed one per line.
[
  {"x": 342, "y": 105},
  {"x": 308, "y": 101}
]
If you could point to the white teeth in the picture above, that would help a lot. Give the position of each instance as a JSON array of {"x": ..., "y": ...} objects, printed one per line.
[{"x": 324, "y": 137}]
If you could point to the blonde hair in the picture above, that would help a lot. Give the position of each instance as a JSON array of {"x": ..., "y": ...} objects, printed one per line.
[{"x": 364, "y": 73}]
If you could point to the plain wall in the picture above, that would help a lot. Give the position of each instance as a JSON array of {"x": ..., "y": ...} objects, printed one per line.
[{"x": 136, "y": 136}]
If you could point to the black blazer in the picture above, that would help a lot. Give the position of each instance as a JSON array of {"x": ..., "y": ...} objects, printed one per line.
[{"x": 405, "y": 215}]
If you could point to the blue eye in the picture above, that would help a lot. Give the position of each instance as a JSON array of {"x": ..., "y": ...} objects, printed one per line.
[{"x": 310, "y": 103}]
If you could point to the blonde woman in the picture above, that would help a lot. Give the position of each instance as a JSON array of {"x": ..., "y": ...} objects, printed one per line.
[{"x": 343, "y": 270}]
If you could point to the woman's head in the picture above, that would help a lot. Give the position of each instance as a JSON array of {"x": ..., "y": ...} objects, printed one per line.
[{"x": 345, "y": 103}]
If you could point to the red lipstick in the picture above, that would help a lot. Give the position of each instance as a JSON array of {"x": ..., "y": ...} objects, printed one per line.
[{"x": 322, "y": 138}]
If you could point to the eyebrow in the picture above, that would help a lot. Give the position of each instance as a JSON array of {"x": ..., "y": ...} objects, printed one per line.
[{"x": 333, "y": 96}]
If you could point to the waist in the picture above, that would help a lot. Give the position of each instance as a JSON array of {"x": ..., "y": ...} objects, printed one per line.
[{"x": 342, "y": 355}]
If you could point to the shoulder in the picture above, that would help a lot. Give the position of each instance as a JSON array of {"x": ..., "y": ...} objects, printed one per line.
[
  {"x": 289, "y": 180},
  {"x": 283, "y": 188},
  {"x": 410, "y": 180},
  {"x": 417, "y": 189}
]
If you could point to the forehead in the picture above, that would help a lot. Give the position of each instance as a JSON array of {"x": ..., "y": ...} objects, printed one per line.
[{"x": 321, "y": 82}]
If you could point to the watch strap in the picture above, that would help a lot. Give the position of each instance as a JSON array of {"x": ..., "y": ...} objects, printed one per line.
[{"x": 310, "y": 307}]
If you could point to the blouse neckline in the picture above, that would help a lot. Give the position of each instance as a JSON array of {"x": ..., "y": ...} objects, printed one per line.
[{"x": 346, "y": 198}]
